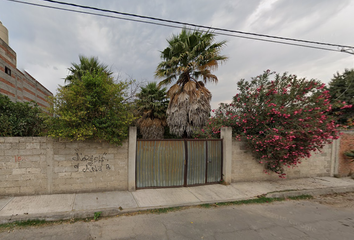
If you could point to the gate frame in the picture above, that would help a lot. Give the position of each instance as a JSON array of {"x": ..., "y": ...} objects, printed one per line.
[
  {"x": 185, "y": 177},
  {"x": 225, "y": 134}
]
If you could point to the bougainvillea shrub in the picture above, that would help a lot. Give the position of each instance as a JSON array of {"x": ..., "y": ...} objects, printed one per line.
[{"x": 283, "y": 119}]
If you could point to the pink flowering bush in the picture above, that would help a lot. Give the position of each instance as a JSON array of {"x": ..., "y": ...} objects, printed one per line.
[{"x": 283, "y": 119}]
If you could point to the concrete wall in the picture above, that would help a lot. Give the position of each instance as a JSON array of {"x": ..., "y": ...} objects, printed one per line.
[
  {"x": 346, "y": 143},
  {"x": 40, "y": 165},
  {"x": 246, "y": 168},
  {"x": 19, "y": 86}
]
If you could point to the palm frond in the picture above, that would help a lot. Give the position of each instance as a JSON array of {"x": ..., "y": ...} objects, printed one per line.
[
  {"x": 190, "y": 55},
  {"x": 90, "y": 65}
]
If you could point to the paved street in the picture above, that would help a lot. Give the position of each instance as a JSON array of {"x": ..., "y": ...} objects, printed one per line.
[{"x": 281, "y": 220}]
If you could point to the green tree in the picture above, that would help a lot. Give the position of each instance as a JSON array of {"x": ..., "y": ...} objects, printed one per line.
[
  {"x": 281, "y": 117},
  {"x": 152, "y": 105},
  {"x": 86, "y": 65},
  {"x": 188, "y": 57},
  {"x": 341, "y": 89},
  {"x": 90, "y": 108},
  {"x": 20, "y": 119}
]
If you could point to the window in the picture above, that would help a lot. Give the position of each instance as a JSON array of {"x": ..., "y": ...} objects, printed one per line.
[{"x": 8, "y": 71}]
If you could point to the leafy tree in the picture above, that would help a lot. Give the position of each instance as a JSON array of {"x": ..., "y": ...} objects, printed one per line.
[
  {"x": 341, "y": 89},
  {"x": 20, "y": 119},
  {"x": 282, "y": 119},
  {"x": 152, "y": 104},
  {"x": 189, "y": 56},
  {"x": 86, "y": 65},
  {"x": 91, "y": 107}
]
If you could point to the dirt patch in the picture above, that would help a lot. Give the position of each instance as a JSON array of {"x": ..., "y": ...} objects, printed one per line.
[{"x": 340, "y": 200}]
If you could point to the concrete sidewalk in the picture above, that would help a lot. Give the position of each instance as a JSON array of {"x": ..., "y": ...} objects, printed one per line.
[{"x": 82, "y": 205}]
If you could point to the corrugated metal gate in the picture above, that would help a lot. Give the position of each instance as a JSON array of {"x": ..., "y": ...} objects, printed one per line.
[{"x": 178, "y": 162}]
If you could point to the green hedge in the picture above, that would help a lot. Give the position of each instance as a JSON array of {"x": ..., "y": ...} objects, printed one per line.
[{"x": 20, "y": 119}]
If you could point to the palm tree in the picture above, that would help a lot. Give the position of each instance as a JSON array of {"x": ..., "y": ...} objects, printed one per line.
[
  {"x": 91, "y": 65},
  {"x": 189, "y": 56},
  {"x": 152, "y": 104}
]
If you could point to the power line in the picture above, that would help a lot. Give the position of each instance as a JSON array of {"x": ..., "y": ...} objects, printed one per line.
[
  {"x": 196, "y": 25},
  {"x": 349, "y": 51},
  {"x": 176, "y": 26},
  {"x": 286, "y": 43},
  {"x": 90, "y": 13}
]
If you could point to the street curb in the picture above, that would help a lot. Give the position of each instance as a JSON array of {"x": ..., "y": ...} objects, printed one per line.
[
  {"x": 109, "y": 212},
  {"x": 63, "y": 215},
  {"x": 312, "y": 192}
]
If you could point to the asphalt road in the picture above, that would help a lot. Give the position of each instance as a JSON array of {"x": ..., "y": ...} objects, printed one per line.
[{"x": 281, "y": 220}]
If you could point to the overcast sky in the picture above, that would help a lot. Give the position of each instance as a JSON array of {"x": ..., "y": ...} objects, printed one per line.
[{"x": 47, "y": 41}]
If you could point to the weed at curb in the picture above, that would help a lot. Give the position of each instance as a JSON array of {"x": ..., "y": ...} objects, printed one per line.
[
  {"x": 164, "y": 210},
  {"x": 19, "y": 224},
  {"x": 301, "y": 197},
  {"x": 96, "y": 215},
  {"x": 27, "y": 223},
  {"x": 260, "y": 199}
]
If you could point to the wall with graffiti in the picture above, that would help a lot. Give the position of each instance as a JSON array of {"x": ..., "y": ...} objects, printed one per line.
[{"x": 40, "y": 165}]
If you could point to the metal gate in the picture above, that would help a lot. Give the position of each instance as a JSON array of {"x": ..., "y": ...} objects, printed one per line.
[{"x": 178, "y": 162}]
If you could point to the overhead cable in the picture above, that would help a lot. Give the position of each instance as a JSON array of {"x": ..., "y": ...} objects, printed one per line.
[
  {"x": 218, "y": 32},
  {"x": 195, "y": 25}
]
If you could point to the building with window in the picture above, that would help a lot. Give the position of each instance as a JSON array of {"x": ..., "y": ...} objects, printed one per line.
[{"x": 17, "y": 85}]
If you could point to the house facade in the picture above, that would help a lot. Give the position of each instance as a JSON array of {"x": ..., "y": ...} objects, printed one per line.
[{"x": 17, "y": 85}]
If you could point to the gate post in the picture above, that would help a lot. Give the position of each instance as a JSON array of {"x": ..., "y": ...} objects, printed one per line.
[
  {"x": 334, "y": 157},
  {"x": 226, "y": 135},
  {"x": 132, "y": 159}
]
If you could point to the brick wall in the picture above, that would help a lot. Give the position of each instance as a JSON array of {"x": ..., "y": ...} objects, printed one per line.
[
  {"x": 19, "y": 86},
  {"x": 40, "y": 165},
  {"x": 246, "y": 168},
  {"x": 345, "y": 167}
]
